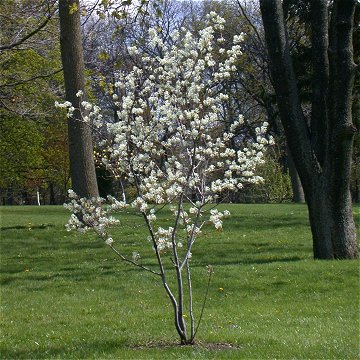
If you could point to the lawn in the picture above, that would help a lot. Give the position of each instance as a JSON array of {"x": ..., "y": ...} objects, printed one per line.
[{"x": 66, "y": 296}]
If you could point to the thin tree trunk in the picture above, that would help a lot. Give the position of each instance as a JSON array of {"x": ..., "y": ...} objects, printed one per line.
[
  {"x": 82, "y": 167},
  {"x": 10, "y": 197},
  {"x": 52, "y": 194}
]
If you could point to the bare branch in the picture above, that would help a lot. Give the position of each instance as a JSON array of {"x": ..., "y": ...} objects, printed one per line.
[
  {"x": 28, "y": 35},
  {"x": 134, "y": 262},
  {"x": 251, "y": 24},
  {"x": 32, "y": 79}
]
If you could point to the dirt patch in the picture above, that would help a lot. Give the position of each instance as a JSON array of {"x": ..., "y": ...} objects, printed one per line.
[
  {"x": 218, "y": 346},
  {"x": 198, "y": 344}
]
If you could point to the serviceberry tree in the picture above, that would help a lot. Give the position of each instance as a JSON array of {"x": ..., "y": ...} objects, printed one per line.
[{"x": 169, "y": 142}]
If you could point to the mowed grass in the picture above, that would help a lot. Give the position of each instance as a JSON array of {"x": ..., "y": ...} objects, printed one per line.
[{"x": 67, "y": 296}]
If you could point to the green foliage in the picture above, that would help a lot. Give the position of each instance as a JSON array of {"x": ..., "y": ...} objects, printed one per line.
[
  {"x": 277, "y": 182},
  {"x": 130, "y": 193},
  {"x": 67, "y": 296},
  {"x": 55, "y": 152},
  {"x": 276, "y": 187},
  {"x": 73, "y": 8},
  {"x": 33, "y": 141},
  {"x": 33, "y": 154},
  {"x": 27, "y": 86},
  {"x": 20, "y": 157}
]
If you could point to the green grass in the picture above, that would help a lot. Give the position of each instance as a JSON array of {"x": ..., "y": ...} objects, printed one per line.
[{"x": 66, "y": 296}]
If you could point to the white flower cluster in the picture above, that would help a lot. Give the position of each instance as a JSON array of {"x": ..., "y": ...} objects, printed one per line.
[
  {"x": 140, "y": 204},
  {"x": 217, "y": 216},
  {"x": 92, "y": 114},
  {"x": 163, "y": 238},
  {"x": 169, "y": 140},
  {"x": 92, "y": 214},
  {"x": 66, "y": 105}
]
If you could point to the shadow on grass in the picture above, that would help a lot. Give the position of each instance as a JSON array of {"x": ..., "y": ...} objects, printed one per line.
[
  {"x": 33, "y": 278},
  {"x": 82, "y": 274},
  {"x": 250, "y": 261},
  {"x": 76, "y": 275},
  {"x": 97, "y": 349},
  {"x": 272, "y": 260},
  {"x": 81, "y": 350},
  {"x": 267, "y": 223},
  {"x": 26, "y": 227}
]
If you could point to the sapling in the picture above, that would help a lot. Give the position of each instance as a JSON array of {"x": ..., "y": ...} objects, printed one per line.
[{"x": 169, "y": 143}]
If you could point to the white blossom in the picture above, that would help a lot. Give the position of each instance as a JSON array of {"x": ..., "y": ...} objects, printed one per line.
[
  {"x": 169, "y": 141},
  {"x": 136, "y": 256}
]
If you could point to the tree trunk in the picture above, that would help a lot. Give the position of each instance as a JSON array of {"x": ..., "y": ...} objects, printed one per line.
[
  {"x": 332, "y": 225},
  {"x": 82, "y": 167},
  {"x": 298, "y": 191},
  {"x": 52, "y": 199},
  {"x": 356, "y": 191},
  {"x": 322, "y": 152}
]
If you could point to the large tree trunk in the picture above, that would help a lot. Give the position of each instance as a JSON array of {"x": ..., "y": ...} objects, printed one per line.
[
  {"x": 82, "y": 167},
  {"x": 331, "y": 220},
  {"x": 322, "y": 152},
  {"x": 297, "y": 189}
]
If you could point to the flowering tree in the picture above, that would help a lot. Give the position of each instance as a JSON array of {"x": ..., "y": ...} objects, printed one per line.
[{"x": 169, "y": 142}]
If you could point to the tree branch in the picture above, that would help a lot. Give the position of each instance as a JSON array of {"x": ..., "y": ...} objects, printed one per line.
[
  {"x": 29, "y": 35},
  {"x": 134, "y": 262},
  {"x": 284, "y": 81},
  {"x": 32, "y": 79},
  {"x": 250, "y": 24},
  {"x": 320, "y": 83}
]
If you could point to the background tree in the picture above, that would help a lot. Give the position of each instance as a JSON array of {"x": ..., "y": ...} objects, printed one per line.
[
  {"x": 31, "y": 129},
  {"x": 256, "y": 83},
  {"x": 82, "y": 167},
  {"x": 321, "y": 144},
  {"x": 355, "y": 179}
]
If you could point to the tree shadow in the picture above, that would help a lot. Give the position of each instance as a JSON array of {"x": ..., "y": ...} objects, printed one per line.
[
  {"x": 268, "y": 223},
  {"x": 26, "y": 227},
  {"x": 83, "y": 350},
  {"x": 250, "y": 261},
  {"x": 97, "y": 349}
]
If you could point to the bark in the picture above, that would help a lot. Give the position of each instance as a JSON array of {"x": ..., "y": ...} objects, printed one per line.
[
  {"x": 82, "y": 167},
  {"x": 320, "y": 64},
  {"x": 52, "y": 194},
  {"x": 298, "y": 191},
  {"x": 322, "y": 152},
  {"x": 332, "y": 225}
]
